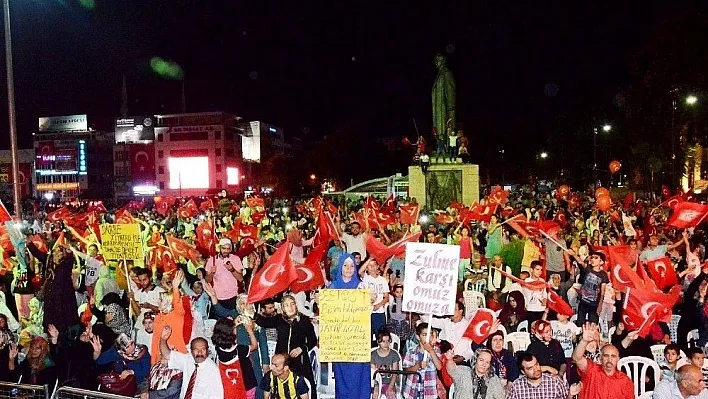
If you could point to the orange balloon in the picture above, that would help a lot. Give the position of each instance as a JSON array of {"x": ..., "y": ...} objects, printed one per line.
[
  {"x": 604, "y": 202},
  {"x": 615, "y": 166},
  {"x": 601, "y": 192},
  {"x": 563, "y": 190}
]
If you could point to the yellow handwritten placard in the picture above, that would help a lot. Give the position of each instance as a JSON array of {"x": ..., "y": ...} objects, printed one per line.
[
  {"x": 121, "y": 241},
  {"x": 345, "y": 326}
]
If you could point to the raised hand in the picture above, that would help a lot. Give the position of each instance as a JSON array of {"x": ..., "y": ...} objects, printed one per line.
[
  {"x": 95, "y": 343},
  {"x": 166, "y": 332},
  {"x": 53, "y": 332},
  {"x": 13, "y": 351},
  {"x": 575, "y": 389},
  {"x": 590, "y": 332}
]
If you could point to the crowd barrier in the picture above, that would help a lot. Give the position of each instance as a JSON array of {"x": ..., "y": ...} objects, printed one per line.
[
  {"x": 76, "y": 393},
  {"x": 23, "y": 391},
  {"x": 378, "y": 392}
]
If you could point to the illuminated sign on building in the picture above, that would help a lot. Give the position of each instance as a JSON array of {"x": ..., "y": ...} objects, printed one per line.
[
  {"x": 232, "y": 176},
  {"x": 63, "y": 123},
  {"x": 57, "y": 186},
  {"x": 82, "y": 157},
  {"x": 188, "y": 172},
  {"x": 135, "y": 129}
]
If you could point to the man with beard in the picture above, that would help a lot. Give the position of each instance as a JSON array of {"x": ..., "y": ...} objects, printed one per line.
[
  {"x": 268, "y": 310},
  {"x": 601, "y": 381},
  {"x": 202, "y": 379},
  {"x": 535, "y": 384}
]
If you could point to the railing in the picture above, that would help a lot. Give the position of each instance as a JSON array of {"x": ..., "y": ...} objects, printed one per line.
[
  {"x": 23, "y": 391},
  {"x": 76, "y": 393}
]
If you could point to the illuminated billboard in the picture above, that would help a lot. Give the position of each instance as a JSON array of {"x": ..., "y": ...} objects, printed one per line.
[
  {"x": 63, "y": 123},
  {"x": 188, "y": 172},
  {"x": 232, "y": 176},
  {"x": 251, "y": 142},
  {"x": 135, "y": 129}
]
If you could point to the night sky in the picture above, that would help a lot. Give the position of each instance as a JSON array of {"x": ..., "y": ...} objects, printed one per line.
[{"x": 525, "y": 72}]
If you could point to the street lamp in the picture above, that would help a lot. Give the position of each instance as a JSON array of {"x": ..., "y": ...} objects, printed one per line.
[
  {"x": 606, "y": 128},
  {"x": 11, "y": 110},
  {"x": 691, "y": 100},
  {"x": 544, "y": 155}
]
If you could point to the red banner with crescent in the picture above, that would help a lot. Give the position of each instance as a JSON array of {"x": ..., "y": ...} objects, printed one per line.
[{"x": 142, "y": 164}]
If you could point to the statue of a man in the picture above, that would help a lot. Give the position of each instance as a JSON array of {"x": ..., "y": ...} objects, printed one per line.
[{"x": 443, "y": 105}]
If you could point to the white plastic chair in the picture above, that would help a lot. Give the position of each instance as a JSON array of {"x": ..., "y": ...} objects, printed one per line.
[
  {"x": 673, "y": 327},
  {"x": 657, "y": 351},
  {"x": 395, "y": 342},
  {"x": 473, "y": 300},
  {"x": 315, "y": 363},
  {"x": 468, "y": 285},
  {"x": 480, "y": 286},
  {"x": 452, "y": 392},
  {"x": 637, "y": 368},
  {"x": 523, "y": 326},
  {"x": 692, "y": 336},
  {"x": 497, "y": 313},
  {"x": 325, "y": 389},
  {"x": 647, "y": 395},
  {"x": 519, "y": 341}
]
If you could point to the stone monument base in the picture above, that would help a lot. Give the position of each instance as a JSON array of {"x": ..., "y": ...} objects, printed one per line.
[{"x": 442, "y": 183}]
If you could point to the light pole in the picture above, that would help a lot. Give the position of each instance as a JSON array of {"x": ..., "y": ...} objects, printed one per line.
[
  {"x": 605, "y": 128},
  {"x": 11, "y": 110}
]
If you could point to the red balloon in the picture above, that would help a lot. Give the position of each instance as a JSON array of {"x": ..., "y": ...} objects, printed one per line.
[
  {"x": 615, "y": 166},
  {"x": 604, "y": 202},
  {"x": 601, "y": 191},
  {"x": 563, "y": 190}
]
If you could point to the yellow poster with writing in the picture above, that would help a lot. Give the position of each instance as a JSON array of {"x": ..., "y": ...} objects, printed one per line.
[
  {"x": 345, "y": 326},
  {"x": 121, "y": 241}
]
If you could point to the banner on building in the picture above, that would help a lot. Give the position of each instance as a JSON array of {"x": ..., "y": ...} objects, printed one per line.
[
  {"x": 134, "y": 129},
  {"x": 345, "y": 326},
  {"x": 63, "y": 123},
  {"x": 24, "y": 177},
  {"x": 121, "y": 241},
  {"x": 142, "y": 164},
  {"x": 430, "y": 285}
]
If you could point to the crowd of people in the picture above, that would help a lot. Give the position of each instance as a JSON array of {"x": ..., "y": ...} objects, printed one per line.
[{"x": 182, "y": 322}]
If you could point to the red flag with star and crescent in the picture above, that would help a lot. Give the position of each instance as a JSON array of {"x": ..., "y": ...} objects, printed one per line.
[
  {"x": 206, "y": 239},
  {"x": 181, "y": 248},
  {"x": 409, "y": 213},
  {"x": 662, "y": 272},
  {"x": 687, "y": 214},
  {"x": 274, "y": 277},
  {"x": 309, "y": 274},
  {"x": 480, "y": 326},
  {"x": 58, "y": 215}
]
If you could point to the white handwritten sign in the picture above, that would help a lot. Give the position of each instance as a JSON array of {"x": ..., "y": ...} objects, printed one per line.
[{"x": 430, "y": 285}]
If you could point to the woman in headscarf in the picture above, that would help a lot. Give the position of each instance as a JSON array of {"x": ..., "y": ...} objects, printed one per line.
[
  {"x": 503, "y": 360},
  {"x": 129, "y": 358},
  {"x": 37, "y": 368},
  {"x": 353, "y": 379},
  {"x": 105, "y": 284},
  {"x": 514, "y": 311},
  {"x": 548, "y": 351},
  {"x": 477, "y": 382},
  {"x": 113, "y": 314},
  {"x": 296, "y": 336}
]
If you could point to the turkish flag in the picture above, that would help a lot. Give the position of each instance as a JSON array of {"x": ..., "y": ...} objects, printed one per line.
[
  {"x": 499, "y": 197},
  {"x": 181, "y": 248},
  {"x": 206, "y": 239},
  {"x": 558, "y": 305},
  {"x": 96, "y": 206},
  {"x": 160, "y": 257},
  {"x": 444, "y": 218},
  {"x": 4, "y": 214},
  {"x": 207, "y": 205},
  {"x": 623, "y": 277},
  {"x": 628, "y": 200},
  {"x": 398, "y": 248},
  {"x": 409, "y": 213},
  {"x": 142, "y": 164},
  {"x": 327, "y": 229},
  {"x": 162, "y": 206},
  {"x": 371, "y": 203},
  {"x": 673, "y": 201},
  {"x": 377, "y": 250},
  {"x": 560, "y": 218},
  {"x": 648, "y": 305},
  {"x": 258, "y": 217},
  {"x": 480, "y": 325},
  {"x": 61, "y": 241},
  {"x": 274, "y": 277},
  {"x": 662, "y": 272},
  {"x": 255, "y": 202},
  {"x": 457, "y": 206},
  {"x": 58, "y": 215},
  {"x": 665, "y": 192},
  {"x": 384, "y": 218},
  {"x": 317, "y": 203},
  {"x": 687, "y": 214},
  {"x": 508, "y": 212},
  {"x": 309, "y": 274},
  {"x": 331, "y": 208},
  {"x": 39, "y": 242},
  {"x": 482, "y": 213},
  {"x": 248, "y": 231},
  {"x": 123, "y": 216},
  {"x": 389, "y": 206}
]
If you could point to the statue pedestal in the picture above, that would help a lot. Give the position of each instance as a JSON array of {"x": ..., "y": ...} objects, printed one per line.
[{"x": 443, "y": 183}]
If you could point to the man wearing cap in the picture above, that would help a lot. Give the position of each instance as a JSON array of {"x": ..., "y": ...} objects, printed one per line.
[
  {"x": 593, "y": 281},
  {"x": 224, "y": 273}
]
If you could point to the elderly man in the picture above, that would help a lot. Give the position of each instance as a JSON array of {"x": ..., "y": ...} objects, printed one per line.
[
  {"x": 496, "y": 281},
  {"x": 688, "y": 384},
  {"x": 601, "y": 381},
  {"x": 202, "y": 379},
  {"x": 452, "y": 329}
]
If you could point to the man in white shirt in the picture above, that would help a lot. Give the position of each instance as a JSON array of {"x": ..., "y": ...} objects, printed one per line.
[
  {"x": 202, "y": 379},
  {"x": 145, "y": 296},
  {"x": 354, "y": 241},
  {"x": 452, "y": 330},
  {"x": 496, "y": 281}
]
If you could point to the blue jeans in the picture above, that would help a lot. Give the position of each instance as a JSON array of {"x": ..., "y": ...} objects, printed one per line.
[{"x": 378, "y": 320}]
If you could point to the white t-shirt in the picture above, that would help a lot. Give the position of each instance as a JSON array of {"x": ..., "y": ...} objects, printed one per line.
[
  {"x": 92, "y": 266},
  {"x": 454, "y": 333},
  {"x": 533, "y": 298},
  {"x": 355, "y": 243},
  {"x": 564, "y": 333},
  {"x": 377, "y": 286}
]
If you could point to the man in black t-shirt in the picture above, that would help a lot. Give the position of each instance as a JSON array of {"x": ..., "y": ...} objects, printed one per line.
[{"x": 593, "y": 280}]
